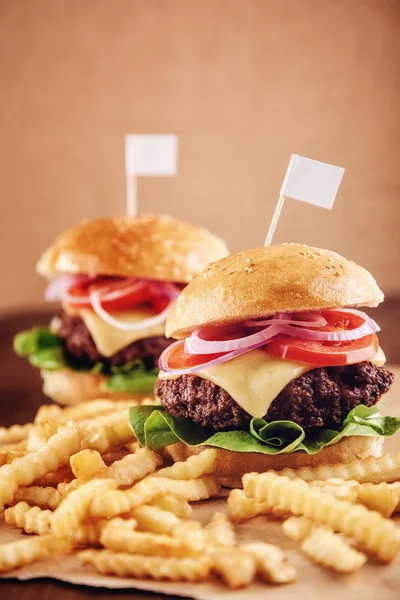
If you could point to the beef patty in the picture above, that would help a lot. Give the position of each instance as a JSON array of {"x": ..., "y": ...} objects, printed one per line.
[
  {"x": 321, "y": 398},
  {"x": 81, "y": 349}
]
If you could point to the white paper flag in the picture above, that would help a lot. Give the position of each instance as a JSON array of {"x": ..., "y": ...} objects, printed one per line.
[
  {"x": 151, "y": 154},
  {"x": 147, "y": 154},
  {"x": 312, "y": 181}
]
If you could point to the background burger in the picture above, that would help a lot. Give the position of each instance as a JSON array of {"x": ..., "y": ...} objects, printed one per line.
[
  {"x": 116, "y": 279},
  {"x": 274, "y": 367}
]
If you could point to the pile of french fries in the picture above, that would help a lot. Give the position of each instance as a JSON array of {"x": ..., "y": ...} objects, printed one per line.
[
  {"x": 77, "y": 482},
  {"x": 339, "y": 521}
]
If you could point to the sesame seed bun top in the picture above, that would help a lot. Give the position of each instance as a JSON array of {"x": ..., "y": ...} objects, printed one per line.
[
  {"x": 264, "y": 281},
  {"x": 147, "y": 246}
]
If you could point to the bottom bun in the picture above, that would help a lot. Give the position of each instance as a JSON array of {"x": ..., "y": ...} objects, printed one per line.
[
  {"x": 231, "y": 466},
  {"x": 69, "y": 387}
]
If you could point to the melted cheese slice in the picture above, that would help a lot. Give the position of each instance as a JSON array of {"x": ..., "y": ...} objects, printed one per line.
[
  {"x": 109, "y": 339},
  {"x": 256, "y": 378}
]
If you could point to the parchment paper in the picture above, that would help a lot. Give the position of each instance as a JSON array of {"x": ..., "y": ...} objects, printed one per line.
[{"x": 371, "y": 582}]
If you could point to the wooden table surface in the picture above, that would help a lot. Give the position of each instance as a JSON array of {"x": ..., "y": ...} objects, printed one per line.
[{"x": 20, "y": 397}]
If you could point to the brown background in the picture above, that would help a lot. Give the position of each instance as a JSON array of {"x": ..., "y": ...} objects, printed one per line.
[{"x": 244, "y": 83}]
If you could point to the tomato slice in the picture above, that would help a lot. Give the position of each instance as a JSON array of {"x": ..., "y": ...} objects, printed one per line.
[
  {"x": 177, "y": 358},
  {"x": 327, "y": 354},
  {"x": 159, "y": 303},
  {"x": 117, "y": 294}
]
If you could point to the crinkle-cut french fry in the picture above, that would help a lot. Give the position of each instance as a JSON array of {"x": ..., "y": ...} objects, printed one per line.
[
  {"x": 25, "y": 551},
  {"x": 377, "y": 534},
  {"x": 154, "y": 567},
  {"x": 54, "y": 478},
  {"x": 241, "y": 507},
  {"x": 36, "y": 439},
  {"x": 297, "y": 528},
  {"x": 331, "y": 551},
  {"x": 89, "y": 532},
  {"x": 235, "y": 567},
  {"x": 154, "y": 519},
  {"x": 66, "y": 488},
  {"x": 50, "y": 412},
  {"x": 366, "y": 470},
  {"x": 192, "y": 529},
  {"x": 133, "y": 467},
  {"x": 15, "y": 433},
  {"x": 73, "y": 510},
  {"x": 395, "y": 487},
  {"x": 81, "y": 412},
  {"x": 43, "y": 497},
  {"x": 55, "y": 453},
  {"x": 119, "y": 539},
  {"x": 192, "y": 468},
  {"x": 174, "y": 504},
  {"x": 49, "y": 427},
  {"x": 8, "y": 456},
  {"x": 91, "y": 425},
  {"x": 116, "y": 432},
  {"x": 220, "y": 531},
  {"x": 35, "y": 520},
  {"x": 323, "y": 546},
  {"x": 272, "y": 565},
  {"x": 86, "y": 464},
  {"x": 31, "y": 519},
  {"x": 381, "y": 497},
  {"x": 339, "y": 488},
  {"x": 116, "y": 502}
]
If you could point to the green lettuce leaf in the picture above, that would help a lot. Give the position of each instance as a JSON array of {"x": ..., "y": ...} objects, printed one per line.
[
  {"x": 45, "y": 350},
  {"x": 132, "y": 377},
  {"x": 154, "y": 428}
]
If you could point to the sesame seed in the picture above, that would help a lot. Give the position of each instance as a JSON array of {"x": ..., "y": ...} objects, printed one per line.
[
  {"x": 302, "y": 252},
  {"x": 248, "y": 259},
  {"x": 223, "y": 268},
  {"x": 231, "y": 271}
]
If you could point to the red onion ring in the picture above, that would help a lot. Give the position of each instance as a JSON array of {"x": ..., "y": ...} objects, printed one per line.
[
  {"x": 314, "y": 320},
  {"x": 347, "y": 335},
  {"x": 196, "y": 345},
  {"x": 280, "y": 326},
  {"x": 165, "y": 289},
  {"x": 58, "y": 288},
  {"x": 163, "y": 360}
]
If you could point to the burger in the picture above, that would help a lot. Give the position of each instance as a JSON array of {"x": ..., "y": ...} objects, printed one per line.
[
  {"x": 275, "y": 366},
  {"x": 116, "y": 279}
]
